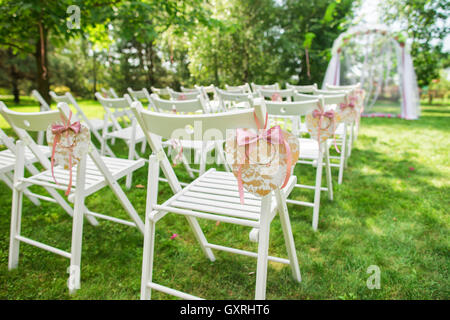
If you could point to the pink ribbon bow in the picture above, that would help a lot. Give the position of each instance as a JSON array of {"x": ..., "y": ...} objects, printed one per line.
[
  {"x": 182, "y": 97},
  {"x": 58, "y": 130},
  {"x": 276, "y": 97},
  {"x": 330, "y": 115},
  {"x": 273, "y": 135}
]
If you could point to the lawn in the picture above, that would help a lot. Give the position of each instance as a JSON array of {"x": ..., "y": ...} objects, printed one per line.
[{"x": 391, "y": 211}]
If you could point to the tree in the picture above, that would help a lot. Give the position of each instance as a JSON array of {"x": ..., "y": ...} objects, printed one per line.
[
  {"x": 27, "y": 25},
  {"x": 425, "y": 23}
]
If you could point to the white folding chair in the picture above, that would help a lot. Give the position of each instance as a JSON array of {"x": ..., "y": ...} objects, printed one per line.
[
  {"x": 257, "y": 87},
  {"x": 160, "y": 91},
  {"x": 213, "y": 101},
  {"x": 132, "y": 135},
  {"x": 302, "y": 88},
  {"x": 8, "y": 161},
  {"x": 310, "y": 152},
  {"x": 94, "y": 124},
  {"x": 274, "y": 95},
  {"x": 112, "y": 93},
  {"x": 354, "y": 126},
  {"x": 231, "y": 100},
  {"x": 175, "y": 95},
  {"x": 244, "y": 88},
  {"x": 142, "y": 94},
  {"x": 92, "y": 173},
  {"x": 271, "y": 94},
  {"x": 213, "y": 196},
  {"x": 33, "y": 153},
  {"x": 343, "y": 139},
  {"x": 185, "y": 89},
  {"x": 200, "y": 147}
]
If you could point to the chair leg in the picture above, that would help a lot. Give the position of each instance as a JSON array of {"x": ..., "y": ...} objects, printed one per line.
[
  {"x": 263, "y": 248},
  {"x": 131, "y": 154},
  {"x": 77, "y": 229},
  {"x": 16, "y": 215},
  {"x": 147, "y": 260},
  {"x": 328, "y": 174},
  {"x": 143, "y": 146},
  {"x": 343, "y": 155},
  {"x": 16, "y": 208},
  {"x": 317, "y": 189},
  {"x": 288, "y": 236},
  {"x": 203, "y": 156}
]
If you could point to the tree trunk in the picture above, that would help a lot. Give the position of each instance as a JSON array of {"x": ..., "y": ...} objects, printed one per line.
[
  {"x": 15, "y": 86},
  {"x": 43, "y": 83},
  {"x": 14, "y": 74}
]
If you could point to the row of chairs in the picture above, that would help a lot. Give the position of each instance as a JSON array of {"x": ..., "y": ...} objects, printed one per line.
[{"x": 212, "y": 195}]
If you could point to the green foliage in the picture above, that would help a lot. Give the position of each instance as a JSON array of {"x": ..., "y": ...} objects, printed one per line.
[{"x": 425, "y": 22}]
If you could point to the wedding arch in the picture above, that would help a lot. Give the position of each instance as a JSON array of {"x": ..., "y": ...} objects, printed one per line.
[{"x": 380, "y": 61}]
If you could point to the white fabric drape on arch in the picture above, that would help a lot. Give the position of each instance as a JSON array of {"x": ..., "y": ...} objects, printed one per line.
[{"x": 378, "y": 53}]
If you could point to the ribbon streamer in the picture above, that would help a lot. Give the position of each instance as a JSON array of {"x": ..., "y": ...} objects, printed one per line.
[{"x": 58, "y": 130}]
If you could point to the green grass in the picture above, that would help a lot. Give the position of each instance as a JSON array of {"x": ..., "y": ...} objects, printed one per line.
[{"x": 391, "y": 211}]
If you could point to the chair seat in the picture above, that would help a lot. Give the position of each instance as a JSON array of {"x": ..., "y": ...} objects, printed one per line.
[
  {"x": 97, "y": 124},
  {"x": 126, "y": 133},
  {"x": 8, "y": 159},
  {"x": 216, "y": 192},
  {"x": 95, "y": 180},
  {"x": 309, "y": 148}
]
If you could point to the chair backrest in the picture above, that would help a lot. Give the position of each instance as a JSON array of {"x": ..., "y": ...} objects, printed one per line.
[
  {"x": 175, "y": 95},
  {"x": 204, "y": 127},
  {"x": 227, "y": 99},
  {"x": 205, "y": 90},
  {"x": 22, "y": 122},
  {"x": 347, "y": 87},
  {"x": 142, "y": 94},
  {"x": 115, "y": 108},
  {"x": 288, "y": 108},
  {"x": 302, "y": 88},
  {"x": 113, "y": 93},
  {"x": 273, "y": 94},
  {"x": 335, "y": 98},
  {"x": 330, "y": 92},
  {"x": 183, "y": 106},
  {"x": 245, "y": 88},
  {"x": 160, "y": 91},
  {"x": 256, "y": 87},
  {"x": 43, "y": 104},
  {"x": 184, "y": 89}
]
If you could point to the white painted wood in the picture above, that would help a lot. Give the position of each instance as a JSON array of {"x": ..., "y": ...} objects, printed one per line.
[
  {"x": 302, "y": 88},
  {"x": 287, "y": 233},
  {"x": 213, "y": 195},
  {"x": 90, "y": 175}
]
